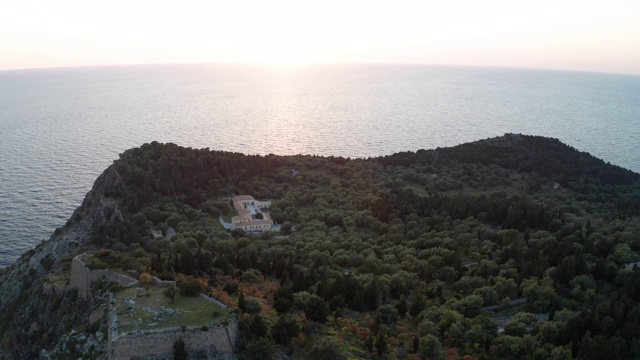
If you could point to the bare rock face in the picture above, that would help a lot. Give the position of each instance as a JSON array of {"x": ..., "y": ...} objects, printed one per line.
[{"x": 21, "y": 284}]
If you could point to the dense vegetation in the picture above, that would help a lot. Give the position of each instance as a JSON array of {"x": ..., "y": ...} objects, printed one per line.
[{"x": 508, "y": 248}]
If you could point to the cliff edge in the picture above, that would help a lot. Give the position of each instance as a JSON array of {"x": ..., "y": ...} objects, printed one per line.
[{"x": 36, "y": 318}]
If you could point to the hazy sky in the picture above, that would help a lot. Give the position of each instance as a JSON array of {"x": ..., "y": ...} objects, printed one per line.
[{"x": 596, "y": 35}]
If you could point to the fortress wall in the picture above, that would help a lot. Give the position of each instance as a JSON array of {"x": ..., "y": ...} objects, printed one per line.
[
  {"x": 120, "y": 279},
  {"x": 156, "y": 281},
  {"x": 216, "y": 340},
  {"x": 82, "y": 277},
  {"x": 217, "y": 302}
]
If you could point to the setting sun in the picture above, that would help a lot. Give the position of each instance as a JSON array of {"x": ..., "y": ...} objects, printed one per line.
[{"x": 594, "y": 35}]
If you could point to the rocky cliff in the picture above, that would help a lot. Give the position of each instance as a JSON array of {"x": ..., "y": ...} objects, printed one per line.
[{"x": 34, "y": 319}]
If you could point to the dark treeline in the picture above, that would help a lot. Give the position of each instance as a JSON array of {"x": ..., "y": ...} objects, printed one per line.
[{"x": 548, "y": 157}]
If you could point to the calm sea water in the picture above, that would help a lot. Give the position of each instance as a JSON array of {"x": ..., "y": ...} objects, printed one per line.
[{"x": 60, "y": 128}]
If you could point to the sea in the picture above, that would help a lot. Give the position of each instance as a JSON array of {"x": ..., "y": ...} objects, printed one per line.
[{"x": 60, "y": 128}]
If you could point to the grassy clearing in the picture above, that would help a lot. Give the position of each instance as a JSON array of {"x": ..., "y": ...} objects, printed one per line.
[
  {"x": 155, "y": 311},
  {"x": 335, "y": 180},
  {"x": 107, "y": 200},
  {"x": 215, "y": 223},
  {"x": 417, "y": 188}
]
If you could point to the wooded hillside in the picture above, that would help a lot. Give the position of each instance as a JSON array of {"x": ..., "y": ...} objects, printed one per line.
[{"x": 508, "y": 248}]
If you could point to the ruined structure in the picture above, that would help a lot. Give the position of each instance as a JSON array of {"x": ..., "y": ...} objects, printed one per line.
[{"x": 214, "y": 340}]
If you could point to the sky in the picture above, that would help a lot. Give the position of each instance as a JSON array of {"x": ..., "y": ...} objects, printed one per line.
[{"x": 587, "y": 35}]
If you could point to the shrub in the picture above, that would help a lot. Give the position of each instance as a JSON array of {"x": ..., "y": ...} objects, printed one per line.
[
  {"x": 325, "y": 349},
  {"x": 170, "y": 292},
  {"x": 258, "y": 350},
  {"x": 145, "y": 278},
  {"x": 231, "y": 287},
  {"x": 190, "y": 287},
  {"x": 316, "y": 309},
  {"x": 249, "y": 276},
  {"x": 179, "y": 351},
  {"x": 253, "y": 306}
]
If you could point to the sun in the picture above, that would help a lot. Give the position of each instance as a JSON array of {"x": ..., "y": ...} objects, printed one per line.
[{"x": 283, "y": 49}]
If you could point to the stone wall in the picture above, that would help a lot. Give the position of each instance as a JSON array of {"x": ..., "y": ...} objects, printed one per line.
[
  {"x": 156, "y": 281},
  {"x": 217, "y": 302},
  {"x": 82, "y": 277},
  {"x": 216, "y": 340}
]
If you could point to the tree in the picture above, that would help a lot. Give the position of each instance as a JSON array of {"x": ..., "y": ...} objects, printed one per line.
[
  {"x": 387, "y": 314},
  {"x": 258, "y": 327},
  {"x": 285, "y": 328},
  {"x": 431, "y": 347},
  {"x": 179, "y": 351},
  {"x": 368, "y": 343},
  {"x": 190, "y": 287},
  {"x": 317, "y": 309},
  {"x": 324, "y": 349},
  {"x": 258, "y": 350},
  {"x": 241, "y": 302},
  {"x": 282, "y": 305},
  {"x": 520, "y": 323},
  {"x": 402, "y": 306},
  {"x": 286, "y": 228},
  {"x": 252, "y": 306},
  {"x": 145, "y": 279},
  {"x": 283, "y": 299},
  {"x": 555, "y": 225},
  {"x": 417, "y": 305},
  {"x": 381, "y": 343},
  {"x": 170, "y": 292}
]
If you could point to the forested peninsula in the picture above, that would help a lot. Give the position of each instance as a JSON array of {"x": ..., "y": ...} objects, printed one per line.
[{"x": 515, "y": 247}]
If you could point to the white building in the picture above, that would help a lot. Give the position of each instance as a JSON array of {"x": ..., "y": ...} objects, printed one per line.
[{"x": 248, "y": 209}]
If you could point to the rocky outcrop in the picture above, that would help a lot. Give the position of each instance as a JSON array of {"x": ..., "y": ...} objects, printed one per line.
[{"x": 21, "y": 284}]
